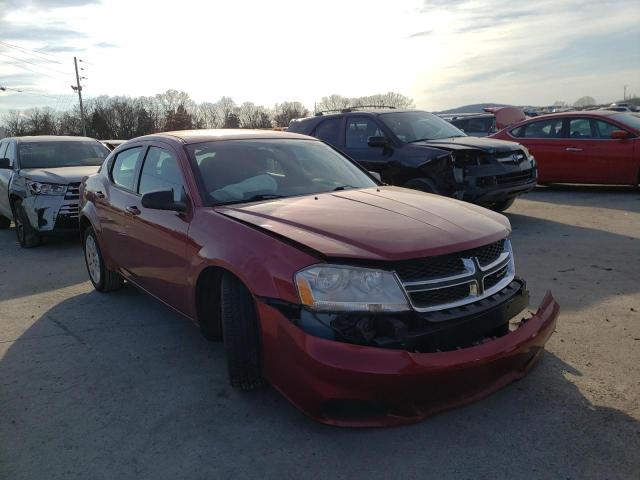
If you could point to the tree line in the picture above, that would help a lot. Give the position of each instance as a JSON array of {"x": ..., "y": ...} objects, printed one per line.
[{"x": 122, "y": 117}]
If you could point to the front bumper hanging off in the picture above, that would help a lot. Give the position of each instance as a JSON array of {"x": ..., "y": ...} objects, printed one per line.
[{"x": 353, "y": 385}]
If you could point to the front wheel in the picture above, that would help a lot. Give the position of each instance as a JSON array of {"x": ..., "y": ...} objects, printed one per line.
[
  {"x": 27, "y": 235},
  {"x": 241, "y": 334},
  {"x": 103, "y": 279},
  {"x": 501, "y": 206}
]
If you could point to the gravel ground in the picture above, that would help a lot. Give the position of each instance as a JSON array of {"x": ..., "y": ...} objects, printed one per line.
[{"x": 117, "y": 386}]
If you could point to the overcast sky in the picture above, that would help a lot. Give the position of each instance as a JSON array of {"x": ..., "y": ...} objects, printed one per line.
[{"x": 441, "y": 53}]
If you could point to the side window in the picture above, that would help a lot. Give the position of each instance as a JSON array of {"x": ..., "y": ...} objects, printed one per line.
[
  {"x": 604, "y": 129},
  {"x": 580, "y": 128},
  {"x": 461, "y": 124},
  {"x": 161, "y": 171},
  {"x": 329, "y": 130},
  {"x": 11, "y": 152},
  {"x": 551, "y": 128},
  {"x": 359, "y": 129},
  {"x": 3, "y": 149},
  {"x": 125, "y": 166}
]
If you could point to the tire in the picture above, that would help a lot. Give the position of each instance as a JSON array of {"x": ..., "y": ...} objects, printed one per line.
[
  {"x": 501, "y": 206},
  {"x": 27, "y": 236},
  {"x": 209, "y": 313},
  {"x": 4, "y": 223},
  {"x": 103, "y": 279},
  {"x": 241, "y": 334},
  {"x": 423, "y": 184}
]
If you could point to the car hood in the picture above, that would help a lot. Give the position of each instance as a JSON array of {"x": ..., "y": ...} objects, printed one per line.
[
  {"x": 489, "y": 145},
  {"x": 385, "y": 223},
  {"x": 62, "y": 175}
]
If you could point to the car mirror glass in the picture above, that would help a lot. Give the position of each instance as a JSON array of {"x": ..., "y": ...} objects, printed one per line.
[
  {"x": 5, "y": 164},
  {"x": 162, "y": 200}
]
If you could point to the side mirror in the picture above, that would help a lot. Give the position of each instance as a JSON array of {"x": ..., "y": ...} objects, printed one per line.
[
  {"x": 379, "y": 142},
  {"x": 162, "y": 200},
  {"x": 619, "y": 134},
  {"x": 5, "y": 164},
  {"x": 376, "y": 175}
]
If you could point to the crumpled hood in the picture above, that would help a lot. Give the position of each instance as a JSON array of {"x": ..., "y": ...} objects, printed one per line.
[
  {"x": 385, "y": 223},
  {"x": 489, "y": 145},
  {"x": 62, "y": 175}
]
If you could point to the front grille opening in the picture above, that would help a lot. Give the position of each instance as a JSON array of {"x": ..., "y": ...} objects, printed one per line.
[
  {"x": 515, "y": 177},
  {"x": 441, "y": 296},
  {"x": 495, "y": 278},
  {"x": 354, "y": 410},
  {"x": 487, "y": 254}
]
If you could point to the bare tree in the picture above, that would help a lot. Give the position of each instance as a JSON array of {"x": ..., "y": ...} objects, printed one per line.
[
  {"x": 287, "y": 111},
  {"x": 253, "y": 116},
  {"x": 15, "y": 123},
  {"x": 585, "y": 102},
  {"x": 333, "y": 102}
]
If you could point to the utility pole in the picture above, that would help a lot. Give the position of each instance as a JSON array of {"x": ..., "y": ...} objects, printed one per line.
[
  {"x": 79, "y": 90},
  {"x": 624, "y": 97}
]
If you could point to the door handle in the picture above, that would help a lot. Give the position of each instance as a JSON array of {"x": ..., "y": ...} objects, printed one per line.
[
  {"x": 133, "y": 210},
  {"x": 573, "y": 149}
]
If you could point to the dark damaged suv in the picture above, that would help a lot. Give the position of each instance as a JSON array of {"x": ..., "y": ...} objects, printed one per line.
[{"x": 419, "y": 150}]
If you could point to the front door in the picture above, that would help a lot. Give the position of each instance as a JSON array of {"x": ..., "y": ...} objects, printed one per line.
[
  {"x": 157, "y": 258},
  {"x": 5, "y": 179},
  {"x": 612, "y": 159}
]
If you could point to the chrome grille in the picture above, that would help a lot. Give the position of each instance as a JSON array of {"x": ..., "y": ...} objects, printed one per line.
[
  {"x": 454, "y": 280},
  {"x": 512, "y": 158},
  {"x": 73, "y": 191}
]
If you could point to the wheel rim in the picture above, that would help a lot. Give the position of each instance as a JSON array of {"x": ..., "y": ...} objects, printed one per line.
[{"x": 93, "y": 259}]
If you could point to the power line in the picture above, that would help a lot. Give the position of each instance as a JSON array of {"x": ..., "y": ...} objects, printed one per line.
[
  {"x": 28, "y": 92},
  {"x": 26, "y": 50},
  {"x": 34, "y": 64},
  {"x": 35, "y": 71}
]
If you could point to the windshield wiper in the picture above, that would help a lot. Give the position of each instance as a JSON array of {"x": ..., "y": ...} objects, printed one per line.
[
  {"x": 343, "y": 187},
  {"x": 254, "y": 198},
  {"x": 435, "y": 139}
]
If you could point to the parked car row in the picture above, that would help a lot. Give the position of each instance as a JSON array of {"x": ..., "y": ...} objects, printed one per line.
[{"x": 362, "y": 303}]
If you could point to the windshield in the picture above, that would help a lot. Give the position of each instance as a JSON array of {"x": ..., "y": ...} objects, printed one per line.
[
  {"x": 415, "y": 126},
  {"x": 632, "y": 120},
  {"x": 235, "y": 171},
  {"x": 61, "y": 154}
]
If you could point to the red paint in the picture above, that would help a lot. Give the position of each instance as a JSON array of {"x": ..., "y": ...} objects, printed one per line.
[
  {"x": 264, "y": 244},
  {"x": 569, "y": 159}
]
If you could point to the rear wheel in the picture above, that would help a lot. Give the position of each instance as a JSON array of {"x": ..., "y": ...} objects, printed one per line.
[
  {"x": 241, "y": 334},
  {"x": 103, "y": 279},
  {"x": 422, "y": 184},
  {"x": 4, "y": 223},
  {"x": 27, "y": 236},
  {"x": 501, "y": 206}
]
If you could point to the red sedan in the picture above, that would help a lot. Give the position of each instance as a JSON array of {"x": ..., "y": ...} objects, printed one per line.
[
  {"x": 363, "y": 304},
  {"x": 598, "y": 147}
]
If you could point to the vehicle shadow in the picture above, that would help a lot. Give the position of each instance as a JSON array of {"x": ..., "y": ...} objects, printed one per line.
[
  {"x": 599, "y": 196},
  {"x": 118, "y": 386},
  {"x": 57, "y": 263}
]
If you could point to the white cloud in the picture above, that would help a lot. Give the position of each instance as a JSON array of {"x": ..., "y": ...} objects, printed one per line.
[{"x": 267, "y": 52}]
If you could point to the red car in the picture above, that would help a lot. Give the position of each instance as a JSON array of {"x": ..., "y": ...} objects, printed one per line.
[
  {"x": 599, "y": 147},
  {"x": 363, "y": 304}
]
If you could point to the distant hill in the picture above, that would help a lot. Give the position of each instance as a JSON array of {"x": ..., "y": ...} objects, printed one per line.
[{"x": 473, "y": 108}]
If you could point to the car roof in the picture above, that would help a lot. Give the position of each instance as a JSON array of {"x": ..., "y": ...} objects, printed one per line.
[
  {"x": 54, "y": 138},
  {"x": 198, "y": 136},
  {"x": 573, "y": 113}
]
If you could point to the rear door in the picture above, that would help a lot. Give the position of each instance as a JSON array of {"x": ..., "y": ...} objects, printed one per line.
[
  {"x": 121, "y": 203},
  {"x": 158, "y": 239},
  {"x": 358, "y": 130},
  {"x": 577, "y": 162}
]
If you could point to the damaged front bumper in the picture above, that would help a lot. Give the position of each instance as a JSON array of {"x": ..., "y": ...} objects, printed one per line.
[
  {"x": 356, "y": 385},
  {"x": 53, "y": 213}
]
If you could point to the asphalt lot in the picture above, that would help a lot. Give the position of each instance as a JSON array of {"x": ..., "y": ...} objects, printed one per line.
[{"x": 117, "y": 386}]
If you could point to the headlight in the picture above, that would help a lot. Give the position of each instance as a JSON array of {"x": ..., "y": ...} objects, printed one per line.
[
  {"x": 336, "y": 288},
  {"x": 37, "y": 188}
]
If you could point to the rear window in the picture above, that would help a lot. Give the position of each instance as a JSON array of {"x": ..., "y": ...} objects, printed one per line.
[
  {"x": 61, "y": 154},
  {"x": 632, "y": 120}
]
